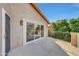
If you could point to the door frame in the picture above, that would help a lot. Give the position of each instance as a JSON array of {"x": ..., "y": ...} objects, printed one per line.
[
  {"x": 25, "y": 31},
  {"x": 3, "y": 31}
]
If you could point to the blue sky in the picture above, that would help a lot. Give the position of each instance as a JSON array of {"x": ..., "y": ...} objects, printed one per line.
[{"x": 55, "y": 11}]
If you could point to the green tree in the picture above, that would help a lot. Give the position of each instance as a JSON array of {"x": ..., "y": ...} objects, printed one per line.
[
  {"x": 74, "y": 25},
  {"x": 61, "y": 25}
]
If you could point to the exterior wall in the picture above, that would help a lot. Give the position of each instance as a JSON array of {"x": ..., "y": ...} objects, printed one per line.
[
  {"x": 17, "y": 12},
  {"x": 74, "y": 39},
  {"x": 7, "y": 8},
  {"x": 78, "y": 40},
  {"x": 0, "y": 31}
]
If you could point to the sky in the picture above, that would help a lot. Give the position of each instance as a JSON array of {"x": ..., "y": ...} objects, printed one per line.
[{"x": 56, "y": 11}]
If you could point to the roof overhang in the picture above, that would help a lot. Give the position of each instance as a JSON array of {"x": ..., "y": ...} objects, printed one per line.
[{"x": 39, "y": 11}]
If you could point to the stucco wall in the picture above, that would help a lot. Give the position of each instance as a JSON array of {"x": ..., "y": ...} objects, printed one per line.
[
  {"x": 7, "y": 8},
  {"x": 17, "y": 12},
  {"x": 74, "y": 38},
  {"x": 78, "y": 40},
  {"x": 0, "y": 32}
]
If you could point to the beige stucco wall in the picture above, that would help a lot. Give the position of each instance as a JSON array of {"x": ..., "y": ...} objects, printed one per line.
[
  {"x": 0, "y": 33},
  {"x": 7, "y": 8},
  {"x": 17, "y": 12},
  {"x": 78, "y": 40},
  {"x": 74, "y": 38}
]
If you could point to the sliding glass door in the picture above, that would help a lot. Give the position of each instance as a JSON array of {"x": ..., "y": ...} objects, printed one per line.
[{"x": 34, "y": 31}]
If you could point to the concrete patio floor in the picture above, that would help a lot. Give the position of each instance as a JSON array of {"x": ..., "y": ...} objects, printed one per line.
[{"x": 40, "y": 47}]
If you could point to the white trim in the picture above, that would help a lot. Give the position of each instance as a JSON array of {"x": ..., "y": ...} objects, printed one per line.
[
  {"x": 3, "y": 32},
  {"x": 34, "y": 40},
  {"x": 24, "y": 31}
]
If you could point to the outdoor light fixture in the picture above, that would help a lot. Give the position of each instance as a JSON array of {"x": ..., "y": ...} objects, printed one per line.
[{"x": 21, "y": 22}]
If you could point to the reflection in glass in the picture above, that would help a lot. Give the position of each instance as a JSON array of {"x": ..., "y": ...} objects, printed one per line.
[
  {"x": 30, "y": 32},
  {"x": 37, "y": 31},
  {"x": 34, "y": 31},
  {"x": 42, "y": 30}
]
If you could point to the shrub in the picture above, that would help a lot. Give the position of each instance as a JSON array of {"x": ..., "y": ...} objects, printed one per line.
[{"x": 60, "y": 35}]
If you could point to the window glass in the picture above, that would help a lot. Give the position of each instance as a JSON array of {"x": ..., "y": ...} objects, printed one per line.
[
  {"x": 34, "y": 31},
  {"x": 42, "y": 30},
  {"x": 37, "y": 31},
  {"x": 30, "y": 32}
]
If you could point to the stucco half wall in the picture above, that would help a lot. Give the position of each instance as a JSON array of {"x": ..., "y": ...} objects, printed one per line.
[{"x": 19, "y": 12}]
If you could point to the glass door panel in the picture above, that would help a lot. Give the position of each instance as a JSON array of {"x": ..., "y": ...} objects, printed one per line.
[
  {"x": 42, "y": 30},
  {"x": 30, "y": 31},
  {"x": 37, "y": 31}
]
